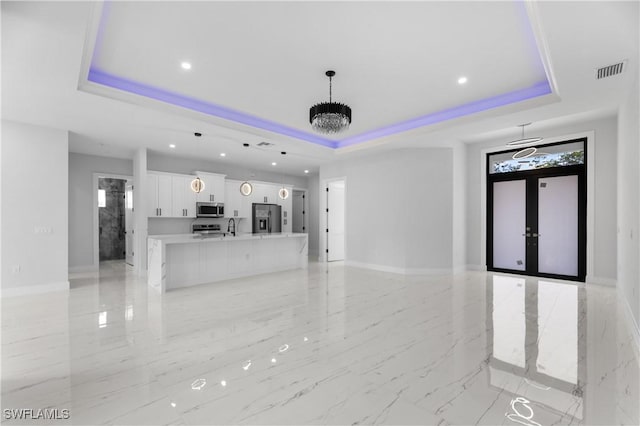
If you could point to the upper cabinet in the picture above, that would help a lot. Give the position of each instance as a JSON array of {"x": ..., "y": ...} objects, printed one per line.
[
  {"x": 159, "y": 195},
  {"x": 236, "y": 204},
  {"x": 264, "y": 192},
  {"x": 170, "y": 195},
  {"x": 214, "y": 188},
  {"x": 183, "y": 197}
]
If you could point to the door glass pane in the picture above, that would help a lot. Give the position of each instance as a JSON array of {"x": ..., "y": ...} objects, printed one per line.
[
  {"x": 509, "y": 216},
  {"x": 558, "y": 225}
]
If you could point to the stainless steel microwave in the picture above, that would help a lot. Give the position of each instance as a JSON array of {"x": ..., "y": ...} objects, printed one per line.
[{"x": 209, "y": 209}]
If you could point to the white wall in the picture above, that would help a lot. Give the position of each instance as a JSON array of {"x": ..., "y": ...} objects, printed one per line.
[
  {"x": 629, "y": 204},
  {"x": 34, "y": 192},
  {"x": 313, "y": 206},
  {"x": 604, "y": 170},
  {"x": 459, "y": 232},
  {"x": 398, "y": 209},
  {"x": 81, "y": 170},
  {"x": 140, "y": 205}
]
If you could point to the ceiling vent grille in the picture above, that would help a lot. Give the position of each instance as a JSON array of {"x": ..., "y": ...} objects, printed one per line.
[
  {"x": 610, "y": 70},
  {"x": 265, "y": 144}
]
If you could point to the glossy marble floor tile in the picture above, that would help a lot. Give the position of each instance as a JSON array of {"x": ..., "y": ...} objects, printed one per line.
[{"x": 327, "y": 345}]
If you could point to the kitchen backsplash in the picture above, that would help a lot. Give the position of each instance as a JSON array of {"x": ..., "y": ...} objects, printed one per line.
[{"x": 164, "y": 226}]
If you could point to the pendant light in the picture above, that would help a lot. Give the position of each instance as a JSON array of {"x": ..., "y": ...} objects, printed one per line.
[
  {"x": 523, "y": 140},
  {"x": 246, "y": 188},
  {"x": 283, "y": 193},
  {"x": 197, "y": 185}
]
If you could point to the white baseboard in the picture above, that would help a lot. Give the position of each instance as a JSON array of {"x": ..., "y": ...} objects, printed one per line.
[
  {"x": 396, "y": 270},
  {"x": 609, "y": 282},
  {"x": 482, "y": 268},
  {"x": 34, "y": 289},
  {"x": 459, "y": 269},
  {"x": 631, "y": 321},
  {"x": 82, "y": 269}
]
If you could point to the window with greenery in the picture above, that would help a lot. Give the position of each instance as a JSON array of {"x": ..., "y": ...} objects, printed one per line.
[{"x": 532, "y": 158}]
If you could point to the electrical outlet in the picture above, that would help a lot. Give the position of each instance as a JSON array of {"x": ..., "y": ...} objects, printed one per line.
[
  {"x": 16, "y": 269},
  {"x": 42, "y": 230}
]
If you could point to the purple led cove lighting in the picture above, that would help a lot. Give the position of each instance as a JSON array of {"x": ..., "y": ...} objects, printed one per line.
[
  {"x": 158, "y": 94},
  {"x": 539, "y": 89}
]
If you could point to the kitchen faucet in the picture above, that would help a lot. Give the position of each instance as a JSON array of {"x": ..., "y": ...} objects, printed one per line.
[{"x": 232, "y": 220}]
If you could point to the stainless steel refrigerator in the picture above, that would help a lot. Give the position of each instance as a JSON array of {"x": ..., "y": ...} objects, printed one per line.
[{"x": 267, "y": 218}]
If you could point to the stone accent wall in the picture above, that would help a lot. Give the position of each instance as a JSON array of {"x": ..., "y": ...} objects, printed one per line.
[{"x": 111, "y": 220}]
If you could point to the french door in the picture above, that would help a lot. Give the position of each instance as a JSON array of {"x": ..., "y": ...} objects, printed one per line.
[{"x": 536, "y": 222}]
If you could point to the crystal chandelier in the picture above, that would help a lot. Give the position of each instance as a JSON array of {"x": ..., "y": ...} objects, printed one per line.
[{"x": 330, "y": 117}]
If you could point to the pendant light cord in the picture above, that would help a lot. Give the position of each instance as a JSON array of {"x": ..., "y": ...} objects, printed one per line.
[{"x": 330, "y": 88}]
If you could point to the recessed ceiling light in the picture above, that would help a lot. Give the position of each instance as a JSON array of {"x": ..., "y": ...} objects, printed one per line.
[
  {"x": 222, "y": 154},
  {"x": 185, "y": 65},
  {"x": 172, "y": 146},
  {"x": 306, "y": 171},
  {"x": 462, "y": 80},
  {"x": 274, "y": 164}
]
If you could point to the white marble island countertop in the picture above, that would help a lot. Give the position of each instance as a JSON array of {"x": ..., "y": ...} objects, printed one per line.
[
  {"x": 191, "y": 238},
  {"x": 183, "y": 260}
]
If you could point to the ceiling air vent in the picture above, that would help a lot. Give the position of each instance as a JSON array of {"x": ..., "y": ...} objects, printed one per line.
[
  {"x": 265, "y": 144},
  {"x": 611, "y": 70}
]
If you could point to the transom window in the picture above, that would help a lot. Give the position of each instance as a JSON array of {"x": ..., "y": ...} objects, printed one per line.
[{"x": 537, "y": 157}]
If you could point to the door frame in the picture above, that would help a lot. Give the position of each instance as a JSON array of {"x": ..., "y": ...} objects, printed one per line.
[
  {"x": 96, "y": 219},
  {"x": 590, "y": 178},
  {"x": 305, "y": 208},
  {"x": 324, "y": 184},
  {"x": 531, "y": 178}
]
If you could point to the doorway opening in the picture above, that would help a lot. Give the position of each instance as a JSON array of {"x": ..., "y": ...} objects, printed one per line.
[
  {"x": 113, "y": 220},
  {"x": 536, "y": 210},
  {"x": 299, "y": 211},
  {"x": 335, "y": 220}
]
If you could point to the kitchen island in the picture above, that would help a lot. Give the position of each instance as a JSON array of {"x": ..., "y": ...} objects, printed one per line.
[{"x": 176, "y": 261}]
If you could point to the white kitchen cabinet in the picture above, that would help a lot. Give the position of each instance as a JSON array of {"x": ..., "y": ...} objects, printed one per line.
[
  {"x": 159, "y": 195},
  {"x": 214, "y": 188},
  {"x": 236, "y": 204},
  {"x": 183, "y": 197},
  {"x": 264, "y": 192}
]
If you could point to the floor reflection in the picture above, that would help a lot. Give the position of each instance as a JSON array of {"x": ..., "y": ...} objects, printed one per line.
[
  {"x": 537, "y": 333},
  {"x": 329, "y": 345}
]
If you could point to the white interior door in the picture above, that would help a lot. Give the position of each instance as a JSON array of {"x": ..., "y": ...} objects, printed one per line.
[
  {"x": 335, "y": 221},
  {"x": 128, "y": 223}
]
